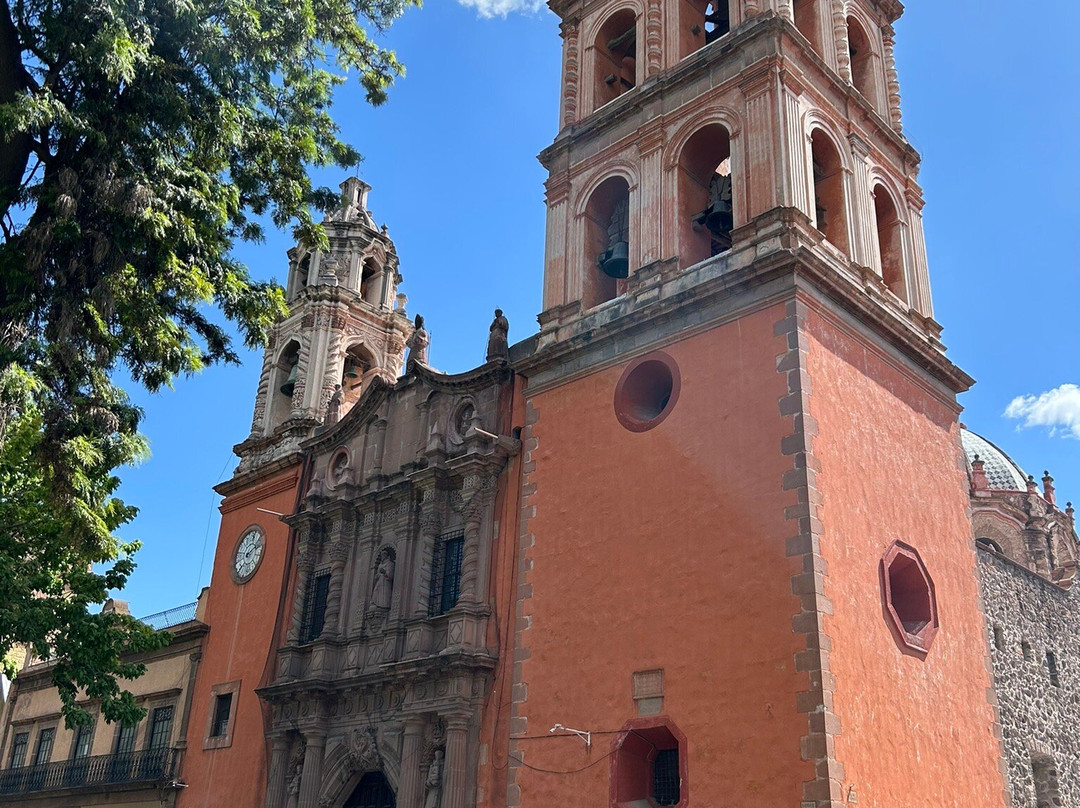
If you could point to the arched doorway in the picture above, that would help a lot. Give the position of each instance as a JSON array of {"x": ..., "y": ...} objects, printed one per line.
[{"x": 373, "y": 792}]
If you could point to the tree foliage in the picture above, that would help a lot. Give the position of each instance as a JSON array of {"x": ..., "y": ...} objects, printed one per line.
[{"x": 139, "y": 141}]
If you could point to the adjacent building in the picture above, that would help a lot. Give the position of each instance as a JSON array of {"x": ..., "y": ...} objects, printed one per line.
[{"x": 46, "y": 764}]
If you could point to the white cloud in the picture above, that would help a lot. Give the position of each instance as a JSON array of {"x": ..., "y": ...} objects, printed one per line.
[
  {"x": 500, "y": 8},
  {"x": 1057, "y": 409}
]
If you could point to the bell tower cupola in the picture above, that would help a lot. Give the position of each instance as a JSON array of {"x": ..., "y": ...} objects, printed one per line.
[{"x": 346, "y": 324}]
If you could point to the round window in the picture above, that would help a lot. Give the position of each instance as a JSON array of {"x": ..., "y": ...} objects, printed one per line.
[{"x": 647, "y": 391}]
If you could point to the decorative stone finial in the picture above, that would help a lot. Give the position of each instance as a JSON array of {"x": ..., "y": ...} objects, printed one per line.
[
  {"x": 1048, "y": 487},
  {"x": 1069, "y": 512},
  {"x": 979, "y": 481},
  {"x": 498, "y": 349},
  {"x": 1032, "y": 486}
]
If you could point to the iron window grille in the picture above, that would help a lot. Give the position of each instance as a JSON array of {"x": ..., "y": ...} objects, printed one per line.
[
  {"x": 315, "y": 607},
  {"x": 161, "y": 727},
  {"x": 222, "y": 712},
  {"x": 18, "y": 750},
  {"x": 44, "y": 746},
  {"x": 83, "y": 737},
  {"x": 446, "y": 573},
  {"x": 125, "y": 739},
  {"x": 665, "y": 771}
]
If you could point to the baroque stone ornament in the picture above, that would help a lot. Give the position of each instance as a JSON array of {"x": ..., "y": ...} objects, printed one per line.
[{"x": 363, "y": 750}]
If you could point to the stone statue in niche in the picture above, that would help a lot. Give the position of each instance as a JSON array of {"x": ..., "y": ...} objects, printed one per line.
[
  {"x": 383, "y": 589},
  {"x": 296, "y": 770},
  {"x": 419, "y": 341},
  {"x": 498, "y": 349},
  {"x": 464, "y": 420},
  {"x": 433, "y": 784},
  {"x": 333, "y": 407}
]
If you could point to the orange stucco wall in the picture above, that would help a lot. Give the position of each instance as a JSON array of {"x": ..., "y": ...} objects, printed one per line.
[
  {"x": 242, "y": 620},
  {"x": 666, "y": 549},
  {"x": 917, "y": 732}
]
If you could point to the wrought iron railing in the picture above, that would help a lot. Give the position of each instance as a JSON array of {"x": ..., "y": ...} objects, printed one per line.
[
  {"x": 171, "y": 617},
  {"x": 148, "y": 766}
]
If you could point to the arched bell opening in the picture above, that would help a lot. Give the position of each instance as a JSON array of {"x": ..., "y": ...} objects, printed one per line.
[
  {"x": 615, "y": 54},
  {"x": 706, "y": 203},
  {"x": 607, "y": 241},
  {"x": 702, "y": 22},
  {"x": 808, "y": 22},
  {"x": 298, "y": 276},
  {"x": 283, "y": 383},
  {"x": 890, "y": 243},
  {"x": 355, "y": 369},
  {"x": 373, "y": 791},
  {"x": 829, "y": 204},
  {"x": 862, "y": 60},
  {"x": 371, "y": 281}
]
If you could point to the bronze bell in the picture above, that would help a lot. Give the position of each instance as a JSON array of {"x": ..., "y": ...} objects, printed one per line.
[
  {"x": 615, "y": 262},
  {"x": 718, "y": 218},
  {"x": 352, "y": 371},
  {"x": 290, "y": 383}
]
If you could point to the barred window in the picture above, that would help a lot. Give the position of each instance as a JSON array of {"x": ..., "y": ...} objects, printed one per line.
[
  {"x": 18, "y": 749},
  {"x": 665, "y": 776},
  {"x": 161, "y": 727},
  {"x": 446, "y": 573},
  {"x": 315, "y": 607},
  {"x": 125, "y": 739},
  {"x": 44, "y": 746}
]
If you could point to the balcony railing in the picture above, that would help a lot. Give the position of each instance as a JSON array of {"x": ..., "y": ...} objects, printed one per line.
[{"x": 148, "y": 766}]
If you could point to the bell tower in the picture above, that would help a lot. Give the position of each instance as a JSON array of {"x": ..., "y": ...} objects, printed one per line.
[
  {"x": 746, "y": 565},
  {"x": 346, "y": 326}
]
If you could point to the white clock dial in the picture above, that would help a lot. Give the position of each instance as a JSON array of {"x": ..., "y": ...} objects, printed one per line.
[{"x": 248, "y": 554}]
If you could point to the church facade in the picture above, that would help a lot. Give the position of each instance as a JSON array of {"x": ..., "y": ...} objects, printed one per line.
[{"x": 714, "y": 536}]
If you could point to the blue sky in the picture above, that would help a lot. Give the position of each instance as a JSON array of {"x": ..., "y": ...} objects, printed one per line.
[{"x": 989, "y": 100}]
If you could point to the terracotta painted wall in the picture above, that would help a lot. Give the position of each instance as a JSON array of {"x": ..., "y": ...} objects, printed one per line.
[
  {"x": 241, "y": 622},
  {"x": 666, "y": 549},
  {"x": 916, "y": 732}
]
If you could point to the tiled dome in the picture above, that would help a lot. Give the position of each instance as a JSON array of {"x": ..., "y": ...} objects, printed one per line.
[{"x": 1002, "y": 473}]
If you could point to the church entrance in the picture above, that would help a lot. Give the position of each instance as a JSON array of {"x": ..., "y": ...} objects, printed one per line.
[{"x": 373, "y": 792}]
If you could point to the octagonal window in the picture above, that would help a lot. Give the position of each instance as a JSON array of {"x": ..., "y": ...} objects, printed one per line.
[{"x": 910, "y": 601}]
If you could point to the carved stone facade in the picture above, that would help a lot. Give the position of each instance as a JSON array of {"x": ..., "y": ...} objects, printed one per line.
[{"x": 400, "y": 517}]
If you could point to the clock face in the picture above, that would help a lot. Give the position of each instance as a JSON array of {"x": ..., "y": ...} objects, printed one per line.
[{"x": 248, "y": 555}]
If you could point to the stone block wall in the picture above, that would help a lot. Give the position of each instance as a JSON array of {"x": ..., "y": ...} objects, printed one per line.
[{"x": 1028, "y": 619}]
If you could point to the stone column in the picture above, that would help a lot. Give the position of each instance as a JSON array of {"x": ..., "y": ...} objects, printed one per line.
[
  {"x": 339, "y": 554},
  {"x": 919, "y": 291},
  {"x": 430, "y": 524},
  {"x": 793, "y": 149},
  {"x": 571, "y": 72},
  {"x": 311, "y": 779},
  {"x": 760, "y": 168},
  {"x": 470, "y": 557},
  {"x": 411, "y": 780},
  {"x": 892, "y": 80},
  {"x": 305, "y": 563},
  {"x": 840, "y": 40},
  {"x": 653, "y": 28},
  {"x": 456, "y": 765},
  {"x": 279, "y": 770},
  {"x": 650, "y": 206},
  {"x": 863, "y": 223},
  {"x": 559, "y": 279}
]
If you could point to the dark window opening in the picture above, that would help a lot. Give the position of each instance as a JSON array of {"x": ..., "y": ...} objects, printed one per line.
[
  {"x": 910, "y": 602},
  {"x": 706, "y": 204},
  {"x": 1025, "y": 650},
  {"x": 161, "y": 727},
  {"x": 125, "y": 739},
  {"x": 702, "y": 23},
  {"x": 1047, "y": 789},
  {"x": 446, "y": 573},
  {"x": 222, "y": 713},
  {"x": 988, "y": 544},
  {"x": 1052, "y": 669},
  {"x": 890, "y": 243},
  {"x": 999, "y": 637},
  {"x": 315, "y": 607},
  {"x": 862, "y": 59},
  {"x": 647, "y": 392},
  {"x": 18, "y": 750},
  {"x": 665, "y": 777},
  {"x": 616, "y": 57},
  {"x": 371, "y": 282},
  {"x": 806, "y": 20},
  {"x": 372, "y": 792},
  {"x": 607, "y": 242},
  {"x": 829, "y": 190},
  {"x": 717, "y": 21}
]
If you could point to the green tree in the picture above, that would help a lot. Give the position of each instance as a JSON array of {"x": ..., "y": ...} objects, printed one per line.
[{"x": 139, "y": 141}]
